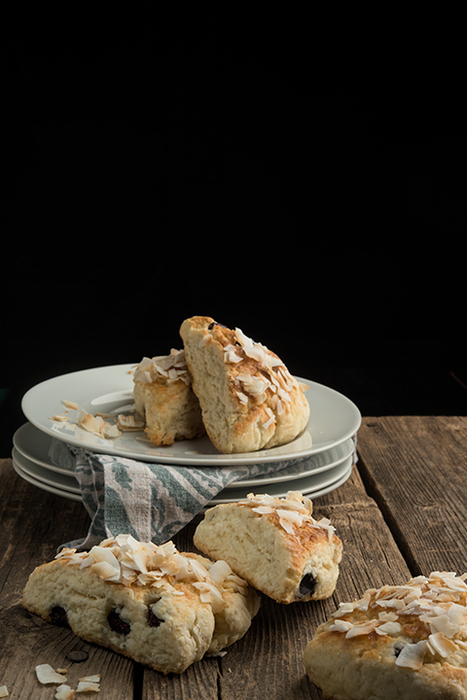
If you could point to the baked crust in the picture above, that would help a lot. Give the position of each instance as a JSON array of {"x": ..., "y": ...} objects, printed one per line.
[
  {"x": 164, "y": 397},
  {"x": 395, "y": 642},
  {"x": 275, "y": 544},
  {"x": 249, "y": 400},
  {"x": 160, "y": 607}
]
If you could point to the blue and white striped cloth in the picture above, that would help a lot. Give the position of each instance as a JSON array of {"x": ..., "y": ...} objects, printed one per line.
[{"x": 152, "y": 502}]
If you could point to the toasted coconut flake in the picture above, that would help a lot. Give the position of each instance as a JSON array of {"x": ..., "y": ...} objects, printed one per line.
[
  {"x": 412, "y": 655},
  {"x": 70, "y": 404},
  {"x": 168, "y": 368},
  {"x": 126, "y": 561},
  {"x": 362, "y": 629},
  {"x": 389, "y": 628},
  {"x": 4, "y": 691},
  {"x": 263, "y": 510},
  {"x": 340, "y": 626},
  {"x": 293, "y": 510},
  {"x": 270, "y": 420},
  {"x": 64, "y": 692},
  {"x": 129, "y": 422},
  {"x": 46, "y": 674},
  {"x": 242, "y": 397},
  {"x": 441, "y": 645},
  {"x": 87, "y": 687},
  {"x": 97, "y": 425},
  {"x": 59, "y": 418}
]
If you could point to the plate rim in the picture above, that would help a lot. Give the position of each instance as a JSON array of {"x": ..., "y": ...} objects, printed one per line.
[
  {"x": 263, "y": 479},
  {"x": 198, "y": 460},
  {"x": 70, "y": 495},
  {"x": 23, "y": 461},
  {"x": 77, "y": 497}
]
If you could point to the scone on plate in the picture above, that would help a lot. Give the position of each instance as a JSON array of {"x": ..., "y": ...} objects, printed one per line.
[
  {"x": 275, "y": 544},
  {"x": 407, "y": 641},
  {"x": 152, "y": 603},
  {"x": 248, "y": 398},
  {"x": 164, "y": 397}
]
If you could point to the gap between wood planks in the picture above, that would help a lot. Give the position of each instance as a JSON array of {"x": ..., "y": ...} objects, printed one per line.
[{"x": 392, "y": 524}]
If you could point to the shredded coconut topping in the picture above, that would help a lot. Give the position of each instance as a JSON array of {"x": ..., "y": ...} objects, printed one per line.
[
  {"x": 272, "y": 376},
  {"x": 439, "y": 601},
  {"x": 170, "y": 368},
  {"x": 126, "y": 561},
  {"x": 293, "y": 511}
]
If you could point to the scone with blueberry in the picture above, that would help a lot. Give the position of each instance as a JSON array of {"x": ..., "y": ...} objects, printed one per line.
[
  {"x": 152, "y": 603},
  {"x": 275, "y": 544}
]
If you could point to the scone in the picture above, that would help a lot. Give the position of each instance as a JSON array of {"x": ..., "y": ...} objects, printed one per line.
[
  {"x": 161, "y": 608},
  {"x": 249, "y": 399},
  {"x": 407, "y": 641},
  {"x": 275, "y": 544},
  {"x": 164, "y": 397}
]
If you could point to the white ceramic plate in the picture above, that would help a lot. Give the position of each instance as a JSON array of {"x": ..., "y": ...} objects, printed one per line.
[
  {"x": 42, "y": 485},
  {"x": 66, "y": 482},
  {"x": 34, "y": 445},
  {"x": 109, "y": 390},
  {"x": 312, "y": 486}
]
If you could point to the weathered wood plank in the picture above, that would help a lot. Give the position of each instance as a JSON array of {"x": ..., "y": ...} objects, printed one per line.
[
  {"x": 416, "y": 469},
  {"x": 34, "y": 523}
]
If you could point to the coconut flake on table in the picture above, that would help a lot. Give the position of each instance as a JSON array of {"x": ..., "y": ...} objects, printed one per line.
[
  {"x": 64, "y": 692},
  {"x": 46, "y": 674}
]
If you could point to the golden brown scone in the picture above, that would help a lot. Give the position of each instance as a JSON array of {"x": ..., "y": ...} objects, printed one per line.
[
  {"x": 164, "y": 397},
  {"x": 275, "y": 544},
  {"x": 407, "y": 641},
  {"x": 160, "y": 607},
  {"x": 249, "y": 400}
]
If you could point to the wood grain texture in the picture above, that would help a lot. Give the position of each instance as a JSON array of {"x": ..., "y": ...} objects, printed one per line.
[
  {"x": 401, "y": 512},
  {"x": 416, "y": 469}
]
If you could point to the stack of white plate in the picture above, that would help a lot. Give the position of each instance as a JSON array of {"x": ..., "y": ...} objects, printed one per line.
[{"x": 318, "y": 461}]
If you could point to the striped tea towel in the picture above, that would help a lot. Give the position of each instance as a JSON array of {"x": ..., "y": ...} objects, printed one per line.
[{"x": 152, "y": 502}]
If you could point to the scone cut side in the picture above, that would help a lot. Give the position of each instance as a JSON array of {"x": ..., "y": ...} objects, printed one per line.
[
  {"x": 275, "y": 544},
  {"x": 165, "y": 399},
  {"x": 407, "y": 641},
  {"x": 249, "y": 399},
  {"x": 160, "y": 607}
]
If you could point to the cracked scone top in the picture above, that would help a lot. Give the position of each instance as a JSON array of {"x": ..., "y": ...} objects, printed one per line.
[
  {"x": 249, "y": 399},
  {"x": 407, "y": 641},
  {"x": 275, "y": 544},
  {"x": 164, "y": 397},
  {"x": 152, "y": 603}
]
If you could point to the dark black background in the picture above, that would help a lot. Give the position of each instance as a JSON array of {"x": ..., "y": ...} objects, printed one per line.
[{"x": 299, "y": 178}]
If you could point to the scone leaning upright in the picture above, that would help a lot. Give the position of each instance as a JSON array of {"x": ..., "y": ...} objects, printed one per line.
[
  {"x": 249, "y": 399},
  {"x": 275, "y": 544},
  {"x": 164, "y": 397}
]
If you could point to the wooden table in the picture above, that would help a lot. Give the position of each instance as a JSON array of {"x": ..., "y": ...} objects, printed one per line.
[{"x": 401, "y": 513}]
